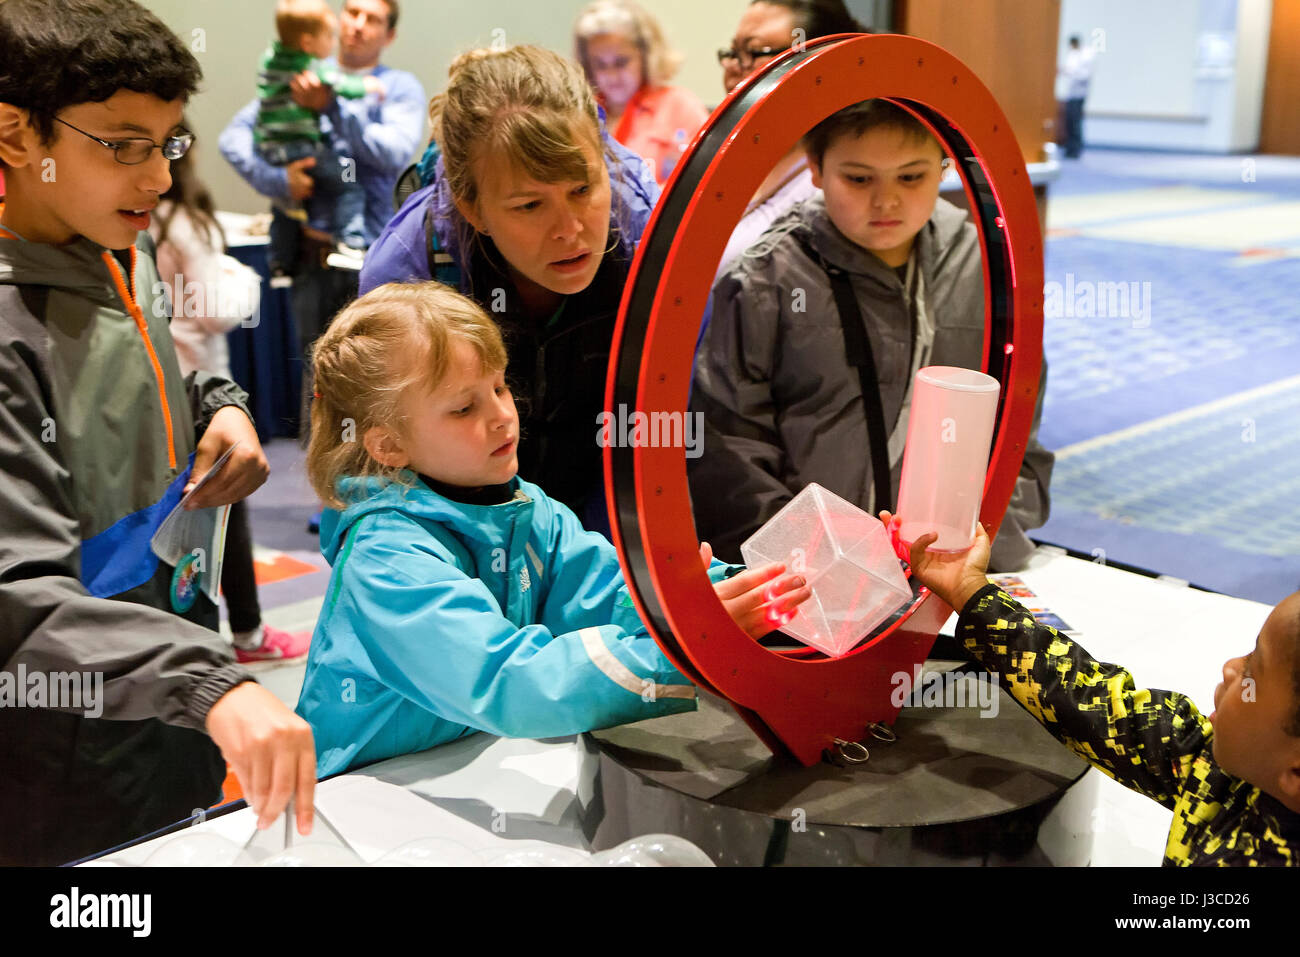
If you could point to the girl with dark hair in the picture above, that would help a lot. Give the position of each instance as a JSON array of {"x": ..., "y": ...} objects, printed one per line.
[{"x": 211, "y": 294}]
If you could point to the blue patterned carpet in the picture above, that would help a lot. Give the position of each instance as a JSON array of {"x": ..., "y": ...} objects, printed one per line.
[{"x": 1174, "y": 400}]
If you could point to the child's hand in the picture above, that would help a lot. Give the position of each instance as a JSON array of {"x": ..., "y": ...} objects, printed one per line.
[
  {"x": 374, "y": 86},
  {"x": 756, "y": 602},
  {"x": 242, "y": 475},
  {"x": 954, "y": 578},
  {"x": 310, "y": 93},
  {"x": 270, "y": 749}
]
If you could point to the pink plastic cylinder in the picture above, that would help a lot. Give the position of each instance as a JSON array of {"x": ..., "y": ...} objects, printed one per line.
[{"x": 949, "y": 431}]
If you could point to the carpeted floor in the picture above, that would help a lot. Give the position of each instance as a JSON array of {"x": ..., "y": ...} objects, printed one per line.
[{"x": 1173, "y": 343}]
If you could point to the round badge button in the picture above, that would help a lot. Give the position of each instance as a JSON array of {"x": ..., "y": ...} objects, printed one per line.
[{"x": 185, "y": 584}]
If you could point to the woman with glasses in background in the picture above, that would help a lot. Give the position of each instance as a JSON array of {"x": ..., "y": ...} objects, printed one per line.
[
  {"x": 767, "y": 29},
  {"x": 628, "y": 63}
]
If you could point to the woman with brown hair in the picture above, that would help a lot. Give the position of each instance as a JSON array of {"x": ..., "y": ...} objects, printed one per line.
[{"x": 534, "y": 211}]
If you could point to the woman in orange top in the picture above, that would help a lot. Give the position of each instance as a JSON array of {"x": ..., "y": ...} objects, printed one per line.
[{"x": 624, "y": 54}]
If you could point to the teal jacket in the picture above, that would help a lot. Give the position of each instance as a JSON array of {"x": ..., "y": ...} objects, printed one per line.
[{"x": 443, "y": 618}]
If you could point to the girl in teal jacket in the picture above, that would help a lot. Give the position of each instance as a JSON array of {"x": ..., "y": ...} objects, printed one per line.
[{"x": 462, "y": 597}]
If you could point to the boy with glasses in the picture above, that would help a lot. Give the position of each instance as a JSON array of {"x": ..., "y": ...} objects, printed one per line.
[{"x": 99, "y": 439}]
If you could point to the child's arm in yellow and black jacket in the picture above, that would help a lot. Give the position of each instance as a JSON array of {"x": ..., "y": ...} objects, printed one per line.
[
  {"x": 1146, "y": 740},
  {"x": 1154, "y": 742}
]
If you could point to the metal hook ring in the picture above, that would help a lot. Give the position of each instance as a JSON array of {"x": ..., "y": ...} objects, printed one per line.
[
  {"x": 845, "y": 747},
  {"x": 882, "y": 732}
]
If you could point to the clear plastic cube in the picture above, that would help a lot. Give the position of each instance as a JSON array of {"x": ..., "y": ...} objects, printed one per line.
[{"x": 845, "y": 555}]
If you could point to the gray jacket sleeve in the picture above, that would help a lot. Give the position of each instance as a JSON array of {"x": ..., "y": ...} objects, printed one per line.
[
  {"x": 735, "y": 483},
  {"x": 153, "y": 663},
  {"x": 1030, "y": 503},
  {"x": 208, "y": 393}
]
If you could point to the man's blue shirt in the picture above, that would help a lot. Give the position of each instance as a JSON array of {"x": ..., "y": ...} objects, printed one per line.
[{"x": 382, "y": 137}]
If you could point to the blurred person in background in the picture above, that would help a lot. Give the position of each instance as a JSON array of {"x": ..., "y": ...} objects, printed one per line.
[
  {"x": 381, "y": 135},
  {"x": 212, "y": 293},
  {"x": 1075, "y": 74},
  {"x": 628, "y": 63},
  {"x": 767, "y": 29}
]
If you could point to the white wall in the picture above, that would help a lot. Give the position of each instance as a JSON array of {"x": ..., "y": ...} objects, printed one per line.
[
  {"x": 1253, "y": 20},
  {"x": 429, "y": 34},
  {"x": 1173, "y": 74}
]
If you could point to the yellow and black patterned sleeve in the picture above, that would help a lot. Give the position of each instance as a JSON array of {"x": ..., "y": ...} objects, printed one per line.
[{"x": 1146, "y": 740}]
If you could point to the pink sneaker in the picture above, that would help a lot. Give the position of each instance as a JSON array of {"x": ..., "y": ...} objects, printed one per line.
[{"x": 276, "y": 645}]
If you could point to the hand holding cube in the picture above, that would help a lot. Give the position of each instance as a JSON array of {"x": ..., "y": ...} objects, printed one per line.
[{"x": 759, "y": 600}]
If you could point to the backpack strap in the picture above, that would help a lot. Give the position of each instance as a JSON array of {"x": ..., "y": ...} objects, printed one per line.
[
  {"x": 442, "y": 266},
  {"x": 857, "y": 349},
  {"x": 407, "y": 184}
]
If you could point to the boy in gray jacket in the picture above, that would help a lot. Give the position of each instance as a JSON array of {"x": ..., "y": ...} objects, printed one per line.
[
  {"x": 118, "y": 699},
  {"x": 782, "y": 403}
]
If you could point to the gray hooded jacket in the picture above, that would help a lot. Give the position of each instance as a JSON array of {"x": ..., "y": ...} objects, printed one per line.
[
  {"x": 97, "y": 431},
  {"x": 782, "y": 405}
]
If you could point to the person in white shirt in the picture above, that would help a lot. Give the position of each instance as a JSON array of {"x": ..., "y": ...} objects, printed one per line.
[
  {"x": 1076, "y": 74},
  {"x": 211, "y": 294}
]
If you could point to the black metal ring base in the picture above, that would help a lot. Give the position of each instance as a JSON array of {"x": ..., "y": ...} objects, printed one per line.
[{"x": 954, "y": 789}]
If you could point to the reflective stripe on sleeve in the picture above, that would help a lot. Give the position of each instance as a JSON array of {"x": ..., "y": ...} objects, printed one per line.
[{"x": 621, "y": 675}]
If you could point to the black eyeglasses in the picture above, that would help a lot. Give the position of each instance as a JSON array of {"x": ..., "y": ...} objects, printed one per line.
[
  {"x": 135, "y": 150},
  {"x": 747, "y": 58}
]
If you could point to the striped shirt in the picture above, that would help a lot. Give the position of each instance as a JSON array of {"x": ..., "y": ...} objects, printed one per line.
[{"x": 279, "y": 118}]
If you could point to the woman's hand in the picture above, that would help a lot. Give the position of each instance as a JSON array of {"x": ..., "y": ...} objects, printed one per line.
[
  {"x": 954, "y": 578},
  {"x": 755, "y": 600}
]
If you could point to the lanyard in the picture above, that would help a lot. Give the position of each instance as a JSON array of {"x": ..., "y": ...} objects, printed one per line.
[
  {"x": 858, "y": 353},
  {"x": 922, "y": 335}
]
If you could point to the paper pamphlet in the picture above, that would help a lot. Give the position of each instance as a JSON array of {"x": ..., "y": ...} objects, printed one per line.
[{"x": 201, "y": 532}]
